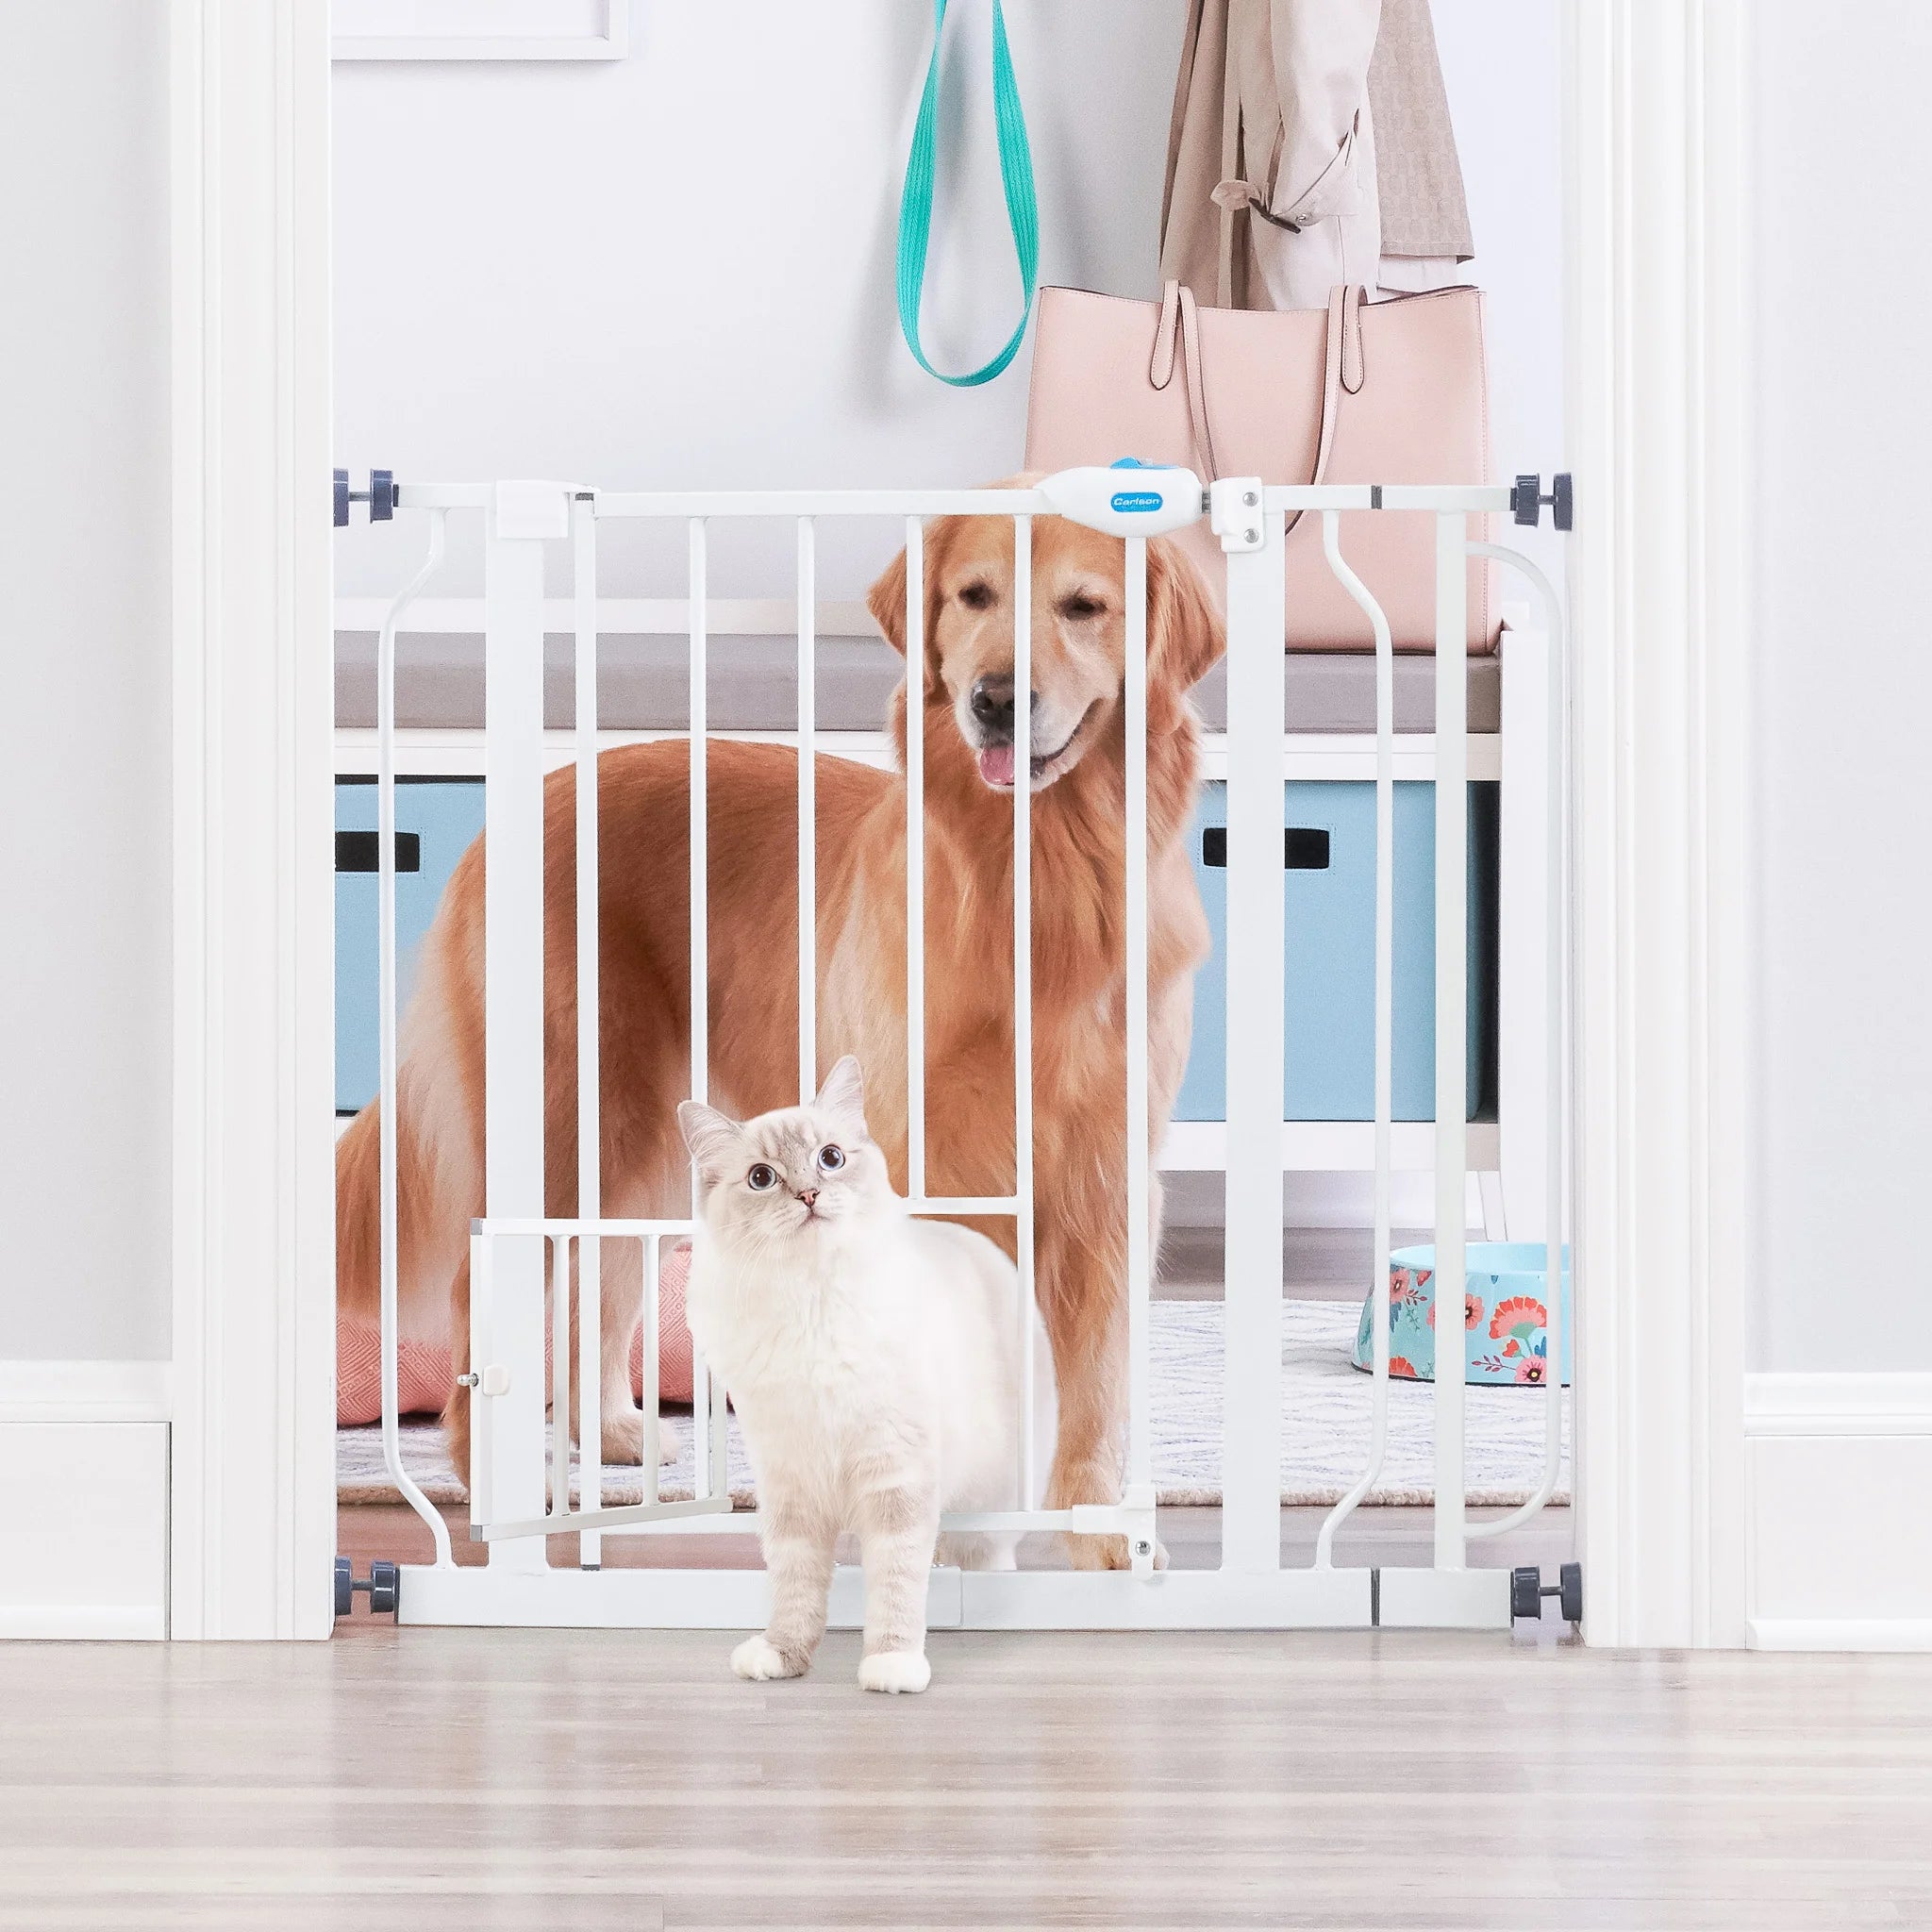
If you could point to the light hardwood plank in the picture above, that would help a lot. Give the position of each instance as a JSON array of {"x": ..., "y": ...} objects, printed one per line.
[{"x": 442, "y": 1779}]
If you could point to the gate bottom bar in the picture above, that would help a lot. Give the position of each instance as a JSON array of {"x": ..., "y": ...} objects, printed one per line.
[
  {"x": 651, "y": 1599},
  {"x": 1445, "y": 1599}
]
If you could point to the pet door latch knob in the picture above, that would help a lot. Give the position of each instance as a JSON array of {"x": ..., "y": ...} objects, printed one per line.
[{"x": 493, "y": 1380}]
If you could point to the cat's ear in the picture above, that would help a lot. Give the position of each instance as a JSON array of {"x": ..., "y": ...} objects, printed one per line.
[
  {"x": 843, "y": 1092},
  {"x": 715, "y": 1140}
]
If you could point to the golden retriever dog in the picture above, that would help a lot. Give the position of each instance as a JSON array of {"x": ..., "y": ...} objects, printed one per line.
[{"x": 1076, "y": 764}]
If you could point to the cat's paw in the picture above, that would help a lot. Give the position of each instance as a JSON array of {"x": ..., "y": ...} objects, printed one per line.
[
  {"x": 759, "y": 1659},
  {"x": 896, "y": 1671}
]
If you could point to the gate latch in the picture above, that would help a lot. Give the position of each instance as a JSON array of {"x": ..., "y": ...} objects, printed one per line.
[
  {"x": 1234, "y": 512},
  {"x": 494, "y": 1380}
]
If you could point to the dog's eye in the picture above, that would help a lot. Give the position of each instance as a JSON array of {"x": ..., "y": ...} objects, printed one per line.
[
  {"x": 831, "y": 1157},
  {"x": 761, "y": 1178},
  {"x": 1077, "y": 608},
  {"x": 977, "y": 597}
]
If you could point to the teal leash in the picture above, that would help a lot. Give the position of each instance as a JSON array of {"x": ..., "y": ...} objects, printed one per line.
[{"x": 915, "y": 201}]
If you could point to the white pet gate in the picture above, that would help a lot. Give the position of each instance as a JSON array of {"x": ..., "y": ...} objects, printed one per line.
[{"x": 521, "y": 1488}]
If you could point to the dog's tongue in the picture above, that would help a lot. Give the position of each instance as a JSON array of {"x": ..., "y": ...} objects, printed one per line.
[{"x": 996, "y": 764}]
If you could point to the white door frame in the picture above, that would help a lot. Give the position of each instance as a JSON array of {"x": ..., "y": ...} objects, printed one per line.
[
  {"x": 1659, "y": 374},
  {"x": 253, "y": 1484},
  {"x": 1659, "y": 369}
]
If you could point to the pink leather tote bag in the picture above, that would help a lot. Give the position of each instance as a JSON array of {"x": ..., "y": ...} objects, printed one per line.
[{"x": 1360, "y": 392}]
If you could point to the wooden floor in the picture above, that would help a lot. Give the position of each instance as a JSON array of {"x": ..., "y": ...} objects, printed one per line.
[{"x": 438, "y": 1780}]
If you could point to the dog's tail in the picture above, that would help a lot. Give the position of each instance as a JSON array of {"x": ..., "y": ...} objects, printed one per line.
[{"x": 436, "y": 1175}]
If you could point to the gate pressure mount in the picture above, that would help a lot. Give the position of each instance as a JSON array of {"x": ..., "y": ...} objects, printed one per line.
[
  {"x": 380, "y": 496},
  {"x": 1526, "y": 501},
  {"x": 381, "y": 1586}
]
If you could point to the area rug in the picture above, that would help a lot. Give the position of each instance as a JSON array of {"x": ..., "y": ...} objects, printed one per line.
[{"x": 1324, "y": 1428}]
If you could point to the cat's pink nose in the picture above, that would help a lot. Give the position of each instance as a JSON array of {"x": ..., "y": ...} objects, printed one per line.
[{"x": 809, "y": 1195}]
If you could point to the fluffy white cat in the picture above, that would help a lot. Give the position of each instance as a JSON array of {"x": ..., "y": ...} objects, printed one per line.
[{"x": 874, "y": 1363}]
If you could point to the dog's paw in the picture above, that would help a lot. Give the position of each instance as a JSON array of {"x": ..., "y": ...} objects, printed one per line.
[
  {"x": 624, "y": 1436},
  {"x": 895, "y": 1672},
  {"x": 1108, "y": 1553},
  {"x": 759, "y": 1659}
]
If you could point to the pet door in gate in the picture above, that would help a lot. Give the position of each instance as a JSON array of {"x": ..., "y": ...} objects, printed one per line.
[{"x": 523, "y": 1261}]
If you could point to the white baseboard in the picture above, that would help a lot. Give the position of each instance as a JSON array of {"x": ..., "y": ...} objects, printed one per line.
[
  {"x": 1837, "y": 1490},
  {"x": 81, "y": 1622},
  {"x": 84, "y": 1500},
  {"x": 1847, "y": 1633},
  {"x": 82, "y": 1392}
]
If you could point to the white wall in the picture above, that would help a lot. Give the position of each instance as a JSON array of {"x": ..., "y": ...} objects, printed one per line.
[
  {"x": 1844, "y": 153},
  {"x": 678, "y": 270},
  {"x": 84, "y": 683}
]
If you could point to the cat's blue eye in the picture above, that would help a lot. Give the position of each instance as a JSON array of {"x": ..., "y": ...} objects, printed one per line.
[
  {"x": 831, "y": 1157},
  {"x": 761, "y": 1178}
]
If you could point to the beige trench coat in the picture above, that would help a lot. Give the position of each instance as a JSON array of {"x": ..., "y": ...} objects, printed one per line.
[{"x": 1273, "y": 192}]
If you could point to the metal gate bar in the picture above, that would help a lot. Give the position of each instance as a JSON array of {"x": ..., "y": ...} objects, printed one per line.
[
  {"x": 1256, "y": 991},
  {"x": 583, "y": 522}
]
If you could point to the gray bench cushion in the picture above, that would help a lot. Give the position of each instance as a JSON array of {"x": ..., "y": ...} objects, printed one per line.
[{"x": 643, "y": 685}]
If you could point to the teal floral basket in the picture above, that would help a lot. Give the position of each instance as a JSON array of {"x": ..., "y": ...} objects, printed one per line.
[{"x": 1504, "y": 1315}]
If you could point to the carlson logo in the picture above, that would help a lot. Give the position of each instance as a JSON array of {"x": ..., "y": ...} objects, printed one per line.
[{"x": 1135, "y": 499}]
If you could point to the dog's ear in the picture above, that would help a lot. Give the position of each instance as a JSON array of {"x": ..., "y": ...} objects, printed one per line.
[
  {"x": 1186, "y": 635},
  {"x": 716, "y": 1140},
  {"x": 844, "y": 1093},
  {"x": 886, "y": 600}
]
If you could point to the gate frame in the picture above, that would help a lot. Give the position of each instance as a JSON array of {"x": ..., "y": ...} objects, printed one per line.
[
  {"x": 1660, "y": 377},
  {"x": 1250, "y": 1587}
]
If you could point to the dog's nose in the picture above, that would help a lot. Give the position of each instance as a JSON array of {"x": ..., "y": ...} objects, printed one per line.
[
  {"x": 992, "y": 705},
  {"x": 809, "y": 1195}
]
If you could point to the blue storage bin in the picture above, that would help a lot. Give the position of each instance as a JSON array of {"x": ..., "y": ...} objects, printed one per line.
[
  {"x": 1330, "y": 941},
  {"x": 436, "y": 820}
]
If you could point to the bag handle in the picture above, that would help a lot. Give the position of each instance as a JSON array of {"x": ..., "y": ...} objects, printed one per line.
[
  {"x": 1343, "y": 366},
  {"x": 915, "y": 200}
]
